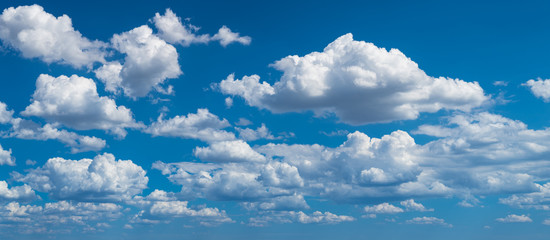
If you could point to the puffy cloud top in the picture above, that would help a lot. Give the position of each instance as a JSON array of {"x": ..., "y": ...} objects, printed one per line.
[
  {"x": 358, "y": 82},
  {"x": 100, "y": 179},
  {"x": 74, "y": 102},
  {"x": 38, "y": 34}
]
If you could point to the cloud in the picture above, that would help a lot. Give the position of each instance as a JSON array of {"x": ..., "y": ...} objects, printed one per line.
[
  {"x": 228, "y": 151},
  {"x": 383, "y": 208},
  {"x": 57, "y": 217},
  {"x": 202, "y": 125},
  {"x": 299, "y": 217},
  {"x": 148, "y": 63},
  {"x": 540, "y": 88},
  {"x": 226, "y": 37},
  {"x": 17, "y": 193},
  {"x": 38, "y": 34},
  {"x": 74, "y": 102},
  {"x": 429, "y": 221},
  {"x": 5, "y": 115},
  {"x": 100, "y": 179},
  {"x": 358, "y": 82},
  {"x": 249, "y": 134},
  {"x": 411, "y": 205},
  {"x": 513, "y": 218},
  {"x": 6, "y": 158},
  {"x": 539, "y": 200},
  {"x": 172, "y": 30}
]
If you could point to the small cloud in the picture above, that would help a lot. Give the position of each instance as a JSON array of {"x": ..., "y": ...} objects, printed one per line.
[
  {"x": 500, "y": 83},
  {"x": 243, "y": 122},
  {"x": 513, "y": 218},
  {"x": 335, "y": 133},
  {"x": 429, "y": 221}
]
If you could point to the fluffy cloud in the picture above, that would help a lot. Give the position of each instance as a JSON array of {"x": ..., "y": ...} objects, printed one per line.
[
  {"x": 300, "y": 217},
  {"x": 513, "y": 218},
  {"x": 202, "y": 125},
  {"x": 172, "y": 30},
  {"x": 38, "y": 34},
  {"x": 358, "y": 82},
  {"x": 538, "y": 200},
  {"x": 540, "y": 88},
  {"x": 226, "y": 37},
  {"x": 148, "y": 63},
  {"x": 5, "y": 115},
  {"x": 74, "y": 102},
  {"x": 18, "y": 193},
  {"x": 383, "y": 208},
  {"x": 228, "y": 151},
  {"x": 100, "y": 179},
  {"x": 55, "y": 217},
  {"x": 6, "y": 158},
  {"x": 249, "y": 134},
  {"x": 411, "y": 205},
  {"x": 429, "y": 220}
]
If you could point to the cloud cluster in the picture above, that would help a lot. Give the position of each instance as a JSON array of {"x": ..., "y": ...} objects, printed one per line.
[
  {"x": 38, "y": 34},
  {"x": 540, "y": 88},
  {"x": 202, "y": 125},
  {"x": 6, "y": 158},
  {"x": 18, "y": 193},
  {"x": 513, "y": 218},
  {"x": 100, "y": 179},
  {"x": 298, "y": 217},
  {"x": 172, "y": 30},
  {"x": 148, "y": 63},
  {"x": 358, "y": 82},
  {"x": 74, "y": 102},
  {"x": 429, "y": 221}
]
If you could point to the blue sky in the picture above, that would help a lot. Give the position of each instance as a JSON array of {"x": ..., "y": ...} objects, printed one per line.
[{"x": 274, "y": 120}]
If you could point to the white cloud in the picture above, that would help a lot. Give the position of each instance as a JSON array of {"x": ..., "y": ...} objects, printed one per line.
[
  {"x": 540, "y": 88},
  {"x": 228, "y": 102},
  {"x": 25, "y": 129},
  {"x": 100, "y": 179},
  {"x": 429, "y": 220},
  {"x": 358, "y": 82},
  {"x": 38, "y": 34},
  {"x": 546, "y": 222},
  {"x": 74, "y": 102},
  {"x": 299, "y": 217},
  {"x": 513, "y": 218},
  {"x": 261, "y": 132},
  {"x": 172, "y": 30},
  {"x": 202, "y": 125},
  {"x": 6, "y": 158},
  {"x": 539, "y": 200},
  {"x": 383, "y": 208},
  {"x": 411, "y": 205},
  {"x": 226, "y": 37},
  {"x": 148, "y": 63},
  {"x": 243, "y": 122},
  {"x": 5, "y": 115},
  {"x": 17, "y": 193},
  {"x": 228, "y": 151}
]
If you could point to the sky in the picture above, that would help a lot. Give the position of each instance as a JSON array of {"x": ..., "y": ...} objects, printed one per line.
[{"x": 274, "y": 120}]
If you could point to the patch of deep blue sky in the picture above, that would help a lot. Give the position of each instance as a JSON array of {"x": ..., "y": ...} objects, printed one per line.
[{"x": 483, "y": 42}]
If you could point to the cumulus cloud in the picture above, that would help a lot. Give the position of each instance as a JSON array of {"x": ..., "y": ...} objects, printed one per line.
[
  {"x": 172, "y": 30},
  {"x": 26, "y": 129},
  {"x": 539, "y": 200},
  {"x": 261, "y": 132},
  {"x": 228, "y": 151},
  {"x": 411, "y": 205},
  {"x": 383, "y": 208},
  {"x": 358, "y": 82},
  {"x": 202, "y": 125},
  {"x": 6, "y": 158},
  {"x": 540, "y": 88},
  {"x": 513, "y": 218},
  {"x": 17, "y": 193},
  {"x": 100, "y": 179},
  {"x": 429, "y": 220},
  {"x": 38, "y": 34},
  {"x": 299, "y": 217},
  {"x": 148, "y": 63},
  {"x": 226, "y": 37},
  {"x": 55, "y": 217},
  {"x": 74, "y": 102}
]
